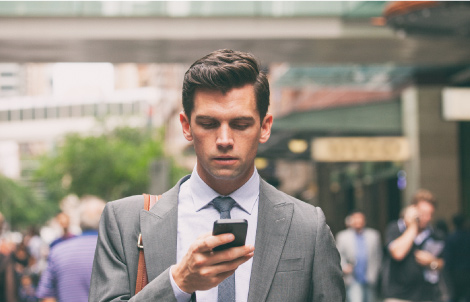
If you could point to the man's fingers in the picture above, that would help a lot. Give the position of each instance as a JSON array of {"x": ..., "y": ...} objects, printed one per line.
[
  {"x": 225, "y": 275},
  {"x": 214, "y": 258},
  {"x": 208, "y": 243},
  {"x": 230, "y": 266},
  {"x": 232, "y": 253}
]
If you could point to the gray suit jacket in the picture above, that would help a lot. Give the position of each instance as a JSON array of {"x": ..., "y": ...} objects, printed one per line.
[
  {"x": 295, "y": 254},
  {"x": 346, "y": 243}
]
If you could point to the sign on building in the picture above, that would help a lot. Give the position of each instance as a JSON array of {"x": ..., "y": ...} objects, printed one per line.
[
  {"x": 456, "y": 104},
  {"x": 353, "y": 149}
]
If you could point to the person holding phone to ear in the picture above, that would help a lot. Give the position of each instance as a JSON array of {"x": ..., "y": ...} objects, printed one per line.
[
  {"x": 414, "y": 253},
  {"x": 289, "y": 252}
]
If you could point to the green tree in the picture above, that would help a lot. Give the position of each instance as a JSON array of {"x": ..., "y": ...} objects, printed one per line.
[
  {"x": 21, "y": 207},
  {"x": 111, "y": 166}
]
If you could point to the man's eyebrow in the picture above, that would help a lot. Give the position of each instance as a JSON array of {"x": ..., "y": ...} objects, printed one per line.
[{"x": 204, "y": 117}]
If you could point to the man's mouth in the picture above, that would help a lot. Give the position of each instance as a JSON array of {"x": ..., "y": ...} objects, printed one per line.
[{"x": 225, "y": 159}]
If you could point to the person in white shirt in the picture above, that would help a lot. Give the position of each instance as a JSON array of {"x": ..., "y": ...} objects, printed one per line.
[{"x": 225, "y": 101}]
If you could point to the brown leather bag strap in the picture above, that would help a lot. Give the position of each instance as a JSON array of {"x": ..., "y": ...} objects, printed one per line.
[{"x": 142, "y": 278}]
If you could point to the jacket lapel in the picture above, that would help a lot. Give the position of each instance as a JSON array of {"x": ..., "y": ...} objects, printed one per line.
[
  {"x": 274, "y": 218},
  {"x": 159, "y": 230}
]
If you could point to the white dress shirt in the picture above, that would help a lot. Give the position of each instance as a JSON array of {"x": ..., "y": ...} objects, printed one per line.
[{"x": 196, "y": 216}]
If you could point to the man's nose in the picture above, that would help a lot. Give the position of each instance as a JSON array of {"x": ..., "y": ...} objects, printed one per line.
[{"x": 224, "y": 137}]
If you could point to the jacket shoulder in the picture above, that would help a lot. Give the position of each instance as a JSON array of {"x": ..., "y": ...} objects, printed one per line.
[
  {"x": 131, "y": 204},
  {"x": 343, "y": 233},
  {"x": 372, "y": 232},
  {"x": 303, "y": 211}
]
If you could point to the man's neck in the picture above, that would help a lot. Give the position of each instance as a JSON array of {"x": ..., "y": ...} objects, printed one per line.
[
  {"x": 359, "y": 231},
  {"x": 226, "y": 186}
]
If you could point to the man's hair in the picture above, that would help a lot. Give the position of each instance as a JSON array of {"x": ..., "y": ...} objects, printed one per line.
[
  {"x": 423, "y": 195},
  {"x": 91, "y": 208},
  {"x": 347, "y": 220},
  {"x": 356, "y": 211},
  {"x": 223, "y": 70}
]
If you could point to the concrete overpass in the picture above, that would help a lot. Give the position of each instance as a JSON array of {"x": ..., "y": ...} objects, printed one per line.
[{"x": 298, "y": 40}]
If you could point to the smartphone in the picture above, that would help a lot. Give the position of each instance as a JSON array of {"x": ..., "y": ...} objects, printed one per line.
[{"x": 237, "y": 227}]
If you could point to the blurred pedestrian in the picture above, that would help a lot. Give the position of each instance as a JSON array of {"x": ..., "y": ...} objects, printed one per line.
[
  {"x": 360, "y": 248},
  {"x": 7, "y": 279},
  {"x": 64, "y": 222},
  {"x": 414, "y": 254},
  {"x": 27, "y": 290},
  {"x": 7, "y": 274},
  {"x": 68, "y": 273},
  {"x": 441, "y": 229},
  {"x": 441, "y": 232},
  {"x": 22, "y": 261},
  {"x": 33, "y": 242},
  {"x": 35, "y": 246},
  {"x": 21, "y": 258},
  {"x": 457, "y": 258}
]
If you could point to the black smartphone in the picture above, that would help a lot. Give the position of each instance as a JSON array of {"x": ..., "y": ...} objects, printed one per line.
[{"x": 237, "y": 227}]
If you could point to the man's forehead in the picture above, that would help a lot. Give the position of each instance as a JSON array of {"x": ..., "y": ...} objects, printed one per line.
[
  {"x": 239, "y": 102},
  {"x": 425, "y": 203},
  {"x": 234, "y": 118},
  {"x": 246, "y": 90}
]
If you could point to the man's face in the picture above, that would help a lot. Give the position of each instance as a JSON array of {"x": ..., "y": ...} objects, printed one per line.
[
  {"x": 226, "y": 130},
  {"x": 425, "y": 213},
  {"x": 358, "y": 221},
  {"x": 63, "y": 220}
]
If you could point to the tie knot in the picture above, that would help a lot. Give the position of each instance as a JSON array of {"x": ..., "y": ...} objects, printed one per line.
[{"x": 223, "y": 205}]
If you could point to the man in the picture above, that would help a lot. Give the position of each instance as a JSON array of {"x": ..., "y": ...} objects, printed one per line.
[
  {"x": 457, "y": 259},
  {"x": 225, "y": 100},
  {"x": 64, "y": 222},
  {"x": 414, "y": 254},
  {"x": 7, "y": 273},
  {"x": 361, "y": 256},
  {"x": 68, "y": 272}
]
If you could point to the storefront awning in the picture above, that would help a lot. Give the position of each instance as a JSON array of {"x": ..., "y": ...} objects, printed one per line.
[{"x": 373, "y": 119}]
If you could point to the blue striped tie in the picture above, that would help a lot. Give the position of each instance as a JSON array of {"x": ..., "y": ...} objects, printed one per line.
[{"x": 226, "y": 287}]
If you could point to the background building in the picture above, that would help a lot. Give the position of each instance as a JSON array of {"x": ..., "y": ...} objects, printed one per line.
[{"x": 364, "y": 70}]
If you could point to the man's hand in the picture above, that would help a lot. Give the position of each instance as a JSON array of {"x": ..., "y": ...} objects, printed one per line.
[
  {"x": 411, "y": 217},
  {"x": 202, "y": 269},
  {"x": 424, "y": 258},
  {"x": 401, "y": 246}
]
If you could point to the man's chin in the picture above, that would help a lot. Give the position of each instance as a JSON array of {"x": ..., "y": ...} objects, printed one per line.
[{"x": 225, "y": 175}]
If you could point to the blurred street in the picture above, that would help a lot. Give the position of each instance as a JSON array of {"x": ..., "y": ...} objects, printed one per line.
[{"x": 371, "y": 104}]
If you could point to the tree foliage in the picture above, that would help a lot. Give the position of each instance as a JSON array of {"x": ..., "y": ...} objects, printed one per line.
[
  {"x": 111, "y": 166},
  {"x": 21, "y": 207}
]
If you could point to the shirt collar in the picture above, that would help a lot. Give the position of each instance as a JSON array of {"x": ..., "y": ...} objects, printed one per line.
[
  {"x": 89, "y": 232},
  {"x": 245, "y": 196}
]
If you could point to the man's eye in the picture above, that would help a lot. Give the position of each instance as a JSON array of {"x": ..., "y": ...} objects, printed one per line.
[
  {"x": 208, "y": 125},
  {"x": 240, "y": 126}
]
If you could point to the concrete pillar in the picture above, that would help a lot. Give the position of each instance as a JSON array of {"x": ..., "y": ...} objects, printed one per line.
[
  {"x": 410, "y": 121},
  {"x": 434, "y": 163}
]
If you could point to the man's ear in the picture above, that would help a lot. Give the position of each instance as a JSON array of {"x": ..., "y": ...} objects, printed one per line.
[
  {"x": 266, "y": 128},
  {"x": 184, "y": 120}
]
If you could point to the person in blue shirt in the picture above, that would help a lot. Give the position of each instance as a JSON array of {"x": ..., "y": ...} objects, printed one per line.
[
  {"x": 360, "y": 248},
  {"x": 68, "y": 273}
]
